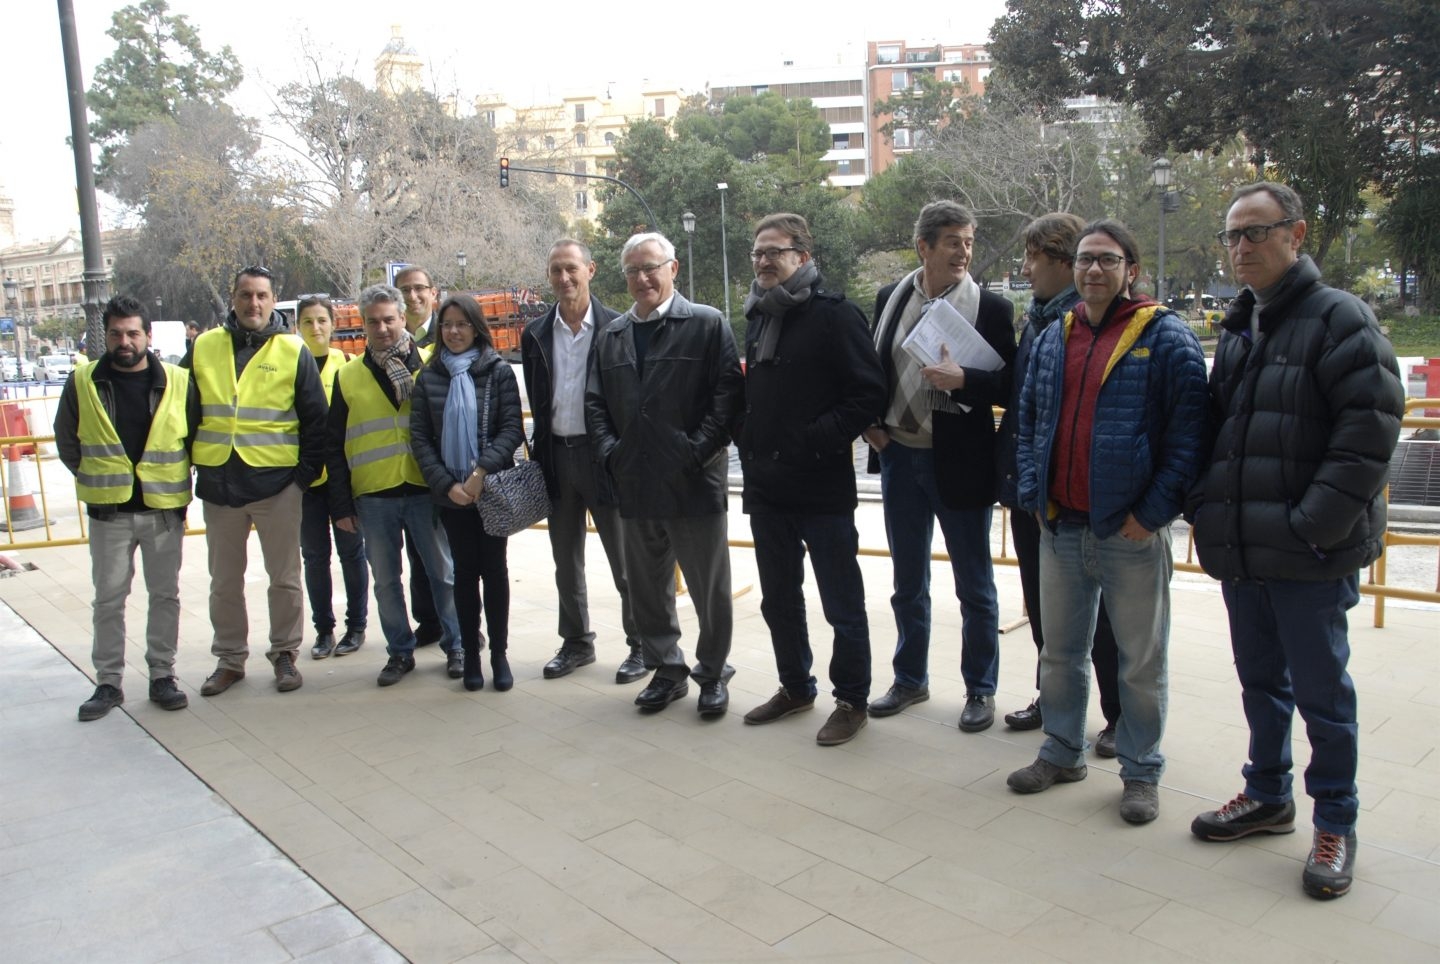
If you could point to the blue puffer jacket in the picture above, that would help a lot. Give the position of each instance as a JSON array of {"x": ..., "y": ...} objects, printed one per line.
[{"x": 1149, "y": 427}]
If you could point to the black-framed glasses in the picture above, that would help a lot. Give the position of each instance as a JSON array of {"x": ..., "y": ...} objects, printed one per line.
[
  {"x": 1255, "y": 233},
  {"x": 648, "y": 270},
  {"x": 415, "y": 289},
  {"x": 1109, "y": 261},
  {"x": 770, "y": 254}
]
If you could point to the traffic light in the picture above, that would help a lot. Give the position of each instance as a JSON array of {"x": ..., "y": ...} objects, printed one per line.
[{"x": 504, "y": 172}]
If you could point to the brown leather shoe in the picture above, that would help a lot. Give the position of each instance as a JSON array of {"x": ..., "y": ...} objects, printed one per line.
[
  {"x": 220, "y": 681},
  {"x": 842, "y": 726},
  {"x": 779, "y": 706},
  {"x": 287, "y": 675}
]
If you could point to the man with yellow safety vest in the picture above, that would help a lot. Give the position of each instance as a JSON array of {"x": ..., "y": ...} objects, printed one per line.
[
  {"x": 376, "y": 482},
  {"x": 123, "y": 430},
  {"x": 259, "y": 444}
]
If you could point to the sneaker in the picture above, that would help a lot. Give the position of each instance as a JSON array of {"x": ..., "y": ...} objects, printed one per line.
[
  {"x": 842, "y": 726},
  {"x": 220, "y": 681},
  {"x": 166, "y": 694},
  {"x": 351, "y": 641},
  {"x": 287, "y": 676},
  {"x": 1027, "y": 719},
  {"x": 1140, "y": 802},
  {"x": 898, "y": 697},
  {"x": 979, "y": 713},
  {"x": 324, "y": 646},
  {"x": 395, "y": 667},
  {"x": 1105, "y": 742},
  {"x": 106, "y": 698},
  {"x": 1242, "y": 817},
  {"x": 1329, "y": 867},
  {"x": 779, "y": 706},
  {"x": 1042, "y": 775},
  {"x": 455, "y": 664}
]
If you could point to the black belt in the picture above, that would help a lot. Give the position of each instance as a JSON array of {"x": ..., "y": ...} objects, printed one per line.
[
  {"x": 1074, "y": 517},
  {"x": 571, "y": 441}
]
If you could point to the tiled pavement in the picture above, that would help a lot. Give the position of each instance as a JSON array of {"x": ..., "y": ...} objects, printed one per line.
[{"x": 554, "y": 822}]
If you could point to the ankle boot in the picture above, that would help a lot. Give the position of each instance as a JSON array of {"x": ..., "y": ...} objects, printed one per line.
[
  {"x": 474, "y": 678},
  {"x": 500, "y": 668}
]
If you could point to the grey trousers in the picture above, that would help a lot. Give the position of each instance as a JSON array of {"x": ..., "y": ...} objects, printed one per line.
[
  {"x": 158, "y": 534},
  {"x": 698, "y": 544},
  {"x": 227, "y": 534},
  {"x": 575, "y": 481}
]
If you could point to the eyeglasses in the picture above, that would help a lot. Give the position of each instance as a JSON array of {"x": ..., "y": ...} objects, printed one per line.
[
  {"x": 256, "y": 271},
  {"x": 456, "y": 326},
  {"x": 415, "y": 289},
  {"x": 1107, "y": 261},
  {"x": 634, "y": 271},
  {"x": 770, "y": 254},
  {"x": 1255, "y": 233}
]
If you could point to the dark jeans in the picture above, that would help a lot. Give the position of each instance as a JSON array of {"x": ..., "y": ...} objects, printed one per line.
[
  {"x": 479, "y": 558},
  {"x": 1291, "y": 646},
  {"x": 781, "y": 542},
  {"x": 315, "y": 530},
  {"x": 1025, "y": 530}
]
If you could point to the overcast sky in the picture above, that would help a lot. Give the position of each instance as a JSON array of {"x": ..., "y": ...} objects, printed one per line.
[{"x": 470, "y": 48}]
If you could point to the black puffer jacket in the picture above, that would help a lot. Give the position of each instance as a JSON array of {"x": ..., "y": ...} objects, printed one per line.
[
  {"x": 427, "y": 419},
  {"x": 1307, "y": 417},
  {"x": 663, "y": 436}
]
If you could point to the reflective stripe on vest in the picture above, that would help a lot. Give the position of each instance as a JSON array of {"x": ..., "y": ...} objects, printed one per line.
[
  {"x": 254, "y": 417},
  {"x": 377, "y": 435},
  {"x": 106, "y": 475}
]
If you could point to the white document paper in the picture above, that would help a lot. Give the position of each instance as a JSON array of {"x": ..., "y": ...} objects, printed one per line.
[{"x": 940, "y": 325}]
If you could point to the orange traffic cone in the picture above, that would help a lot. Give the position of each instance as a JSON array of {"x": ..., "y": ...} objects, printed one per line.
[{"x": 20, "y": 507}]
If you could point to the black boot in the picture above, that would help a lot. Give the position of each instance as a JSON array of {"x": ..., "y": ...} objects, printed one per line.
[
  {"x": 500, "y": 668},
  {"x": 474, "y": 677}
]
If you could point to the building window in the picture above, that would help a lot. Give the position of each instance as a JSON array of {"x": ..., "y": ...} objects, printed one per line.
[
  {"x": 887, "y": 53},
  {"x": 842, "y": 167},
  {"x": 659, "y": 106},
  {"x": 579, "y": 138},
  {"x": 582, "y": 201},
  {"x": 579, "y": 168},
  {"x": 549, "y": 143},
  {"x": 899, "y": 79},
  {"x": 579, "y": 113},
  {"x": 901, "y": 138},
  {"x": 488, "y": 117},
  {"x": 521, "y": 144},
  {"x": 609, "y": 138},
  {"x": 839, "y": 142}
]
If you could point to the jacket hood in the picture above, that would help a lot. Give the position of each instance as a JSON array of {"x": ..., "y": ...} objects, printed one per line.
[{"x": 244, "y": 338}]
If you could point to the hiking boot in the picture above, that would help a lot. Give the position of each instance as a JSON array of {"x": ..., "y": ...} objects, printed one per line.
[
  {"x": 1042, "y": 775},
  {"x": 898, "y": 697},
  {"x": 165, "y": 694},
  {"x": 1140, "y": 802},
  {"x": 287, "y": 676},
  {"x": 1029, "y": 718},
  {"x": 395, "y": 667},
  {"x": 324, "y": 646},
  {"x": 979, "y": 713},
  {"x": 106, "y": 698},
  {"x": 843, "y": 724},
  {"x": 220, "y": 681},
  {"x": 1242, "y": 817},
  {"x": 1105, "y": 742},
  {"x": 779, "y": 706},
  {"x": 1329, "y": 866}
]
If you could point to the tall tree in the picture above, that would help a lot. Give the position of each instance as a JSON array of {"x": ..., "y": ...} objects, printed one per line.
[{"x": 158, "y": 64}]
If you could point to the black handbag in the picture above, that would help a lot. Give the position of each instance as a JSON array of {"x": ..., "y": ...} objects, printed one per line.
[{"x": 512, "y": 499}]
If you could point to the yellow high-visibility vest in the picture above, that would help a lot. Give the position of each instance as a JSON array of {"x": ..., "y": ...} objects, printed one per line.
[
  {"x": 377, "y": 435},
  {"x": 254, "y": 417},
  {"x": 106, "y": 475}
]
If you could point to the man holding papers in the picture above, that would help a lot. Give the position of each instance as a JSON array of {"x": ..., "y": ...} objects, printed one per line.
[{"x": 935, "y": 451}]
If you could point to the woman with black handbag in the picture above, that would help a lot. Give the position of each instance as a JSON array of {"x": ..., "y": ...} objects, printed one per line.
[{"x": 465, "y": 425}]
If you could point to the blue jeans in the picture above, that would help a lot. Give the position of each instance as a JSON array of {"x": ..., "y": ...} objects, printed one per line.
[
  {"x": 1291, "y": 647},
  {"x": 382, "y": 520},
  {"x": 315, "y": 532},
  {"x": 1075, "y": 567},
  {"x": 781, "y": 541},
  {"x": 912, "y": 504}
]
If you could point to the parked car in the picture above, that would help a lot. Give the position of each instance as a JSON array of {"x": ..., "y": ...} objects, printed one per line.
[
  {"x": 13, "y": 369},
  {"x": 53, "y": 368}
]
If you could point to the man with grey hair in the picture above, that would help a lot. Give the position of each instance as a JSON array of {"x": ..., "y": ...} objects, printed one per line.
[
  {"x": 259, "y": 443},
  {"x": 375, "y": 480},
  {"x": 935, "y": 451},
  {"x": 663, "y": 389},
  {"x": 555, "y": 352}
]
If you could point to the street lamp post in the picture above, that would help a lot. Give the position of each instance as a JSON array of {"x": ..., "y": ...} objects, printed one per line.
[
  {"x": 722, "y": 187},
  {"x": 461, "y": 260},
  {"x": 687, "y": 221},
  {"x": 12, "y": 294},
  {"x": 1162, "y": 172}
]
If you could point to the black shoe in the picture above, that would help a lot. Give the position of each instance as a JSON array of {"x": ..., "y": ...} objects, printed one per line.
[
  {"x": 474, "y": 675},
  {"x": 632, "y": 669},
  {"x": 1105, "y": 742},
  {"x": 1029, "y": 718},
  {"x": 898, "y": 697},
  {"x": 567, "y": 661},
  {"x": 455, "y": 664},
  {"x": 166, "y": 695},
  {"x": 500, "y": 667},
  {"x": 1241, "y": 817},
  {"x": 979, "y": 713},
  {"x": 106, "y": 698},
  {"x": 660, "y": 693},
  {"x": 350, "y": 642},
  {"x": 324, "y": 646},
  {"x": 714, "y": 698},
  {"x": 428, "y": 634},
  {"x": 395, "y": 667},
  {"x": 1330, "y": 866}
]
